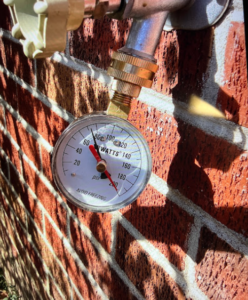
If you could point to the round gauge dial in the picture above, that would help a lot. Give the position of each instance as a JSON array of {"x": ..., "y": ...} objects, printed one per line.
[{"x": 101, "y": 163}]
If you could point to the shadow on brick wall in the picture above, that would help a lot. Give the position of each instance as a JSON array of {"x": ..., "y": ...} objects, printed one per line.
[
  {"x": 72, "y": 90},
  {"x": 208, "y": 169},
  {"x": 89, "y": 44},
  {"x": 203, "y": 170}
]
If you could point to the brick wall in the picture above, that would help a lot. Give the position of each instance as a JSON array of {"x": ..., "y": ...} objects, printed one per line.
[{"x": 186, "y": 236}]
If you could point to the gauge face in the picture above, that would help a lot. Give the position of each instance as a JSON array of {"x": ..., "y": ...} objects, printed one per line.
[{"x": 101, "y": 143}]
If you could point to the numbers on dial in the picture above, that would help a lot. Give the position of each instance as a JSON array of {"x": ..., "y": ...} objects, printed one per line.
[
  {"x": 112, "y": 140},
  {"x": 86, "y": 142},
  {"x": 121, "y": 176},
  {"x": 126, "y": 165},
  {"x": 77, "y": 162},
  {"x": 127, "y": 155},
  {"x": 79, "y": 150}
]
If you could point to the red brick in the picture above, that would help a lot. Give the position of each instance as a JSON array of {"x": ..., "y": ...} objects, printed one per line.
[
  {"x": 50, "y": 203},
  {"x": 27, "y": 199},
  {"x": 89, "y": 43},
  {"x": 4, "y": 204},
  {"x": 31, "y": 284},
  {"x": 25, "y": 140},
  {"x": 20, "y": 189},
  {"x": 2, "y": 53},
  {"x": 208, "y": 170},
  {"x": 148, "y": 277},
  {"x": 233, "y": 95},
  {"x": 2, "y": 115},
  {"x": 14, "y": 204},
  {"x": 166, "y": 78},
  {"x": 50, "y": 261},
  {"x": 16, "y": 62},
  {"x": 10, "y": 262},
  {"x": 28, "y": 250},
  {"x": 74, "y": 91},
  {"x": 11, "y": 151},
  {"x": 54, "y": 292},
  {"x": 59, "y": 277},
  {"x": 104, "y": 275},
  {"x": 47, "y": 123},
  {"x": 221, "y": 272},
  {"x": 4, "y": 165},
  {"x": 72, "y": 268},
  {"x": 98, "y": 223},
  {"x": 5, "y": 19},
  {"x": 46, "y": 159},
  {"x": 170, "y": 224},
  {"x": 8, "y": 90}
]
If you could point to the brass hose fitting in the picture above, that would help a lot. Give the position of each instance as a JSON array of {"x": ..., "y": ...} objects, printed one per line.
[{"x": 130, "y": 74}]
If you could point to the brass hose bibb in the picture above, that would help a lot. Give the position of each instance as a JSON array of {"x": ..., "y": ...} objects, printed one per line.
[{"x": 41, "y": 26}]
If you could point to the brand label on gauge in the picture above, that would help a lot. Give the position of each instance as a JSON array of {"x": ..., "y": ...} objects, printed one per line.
[{"x": 94, "y": 195}]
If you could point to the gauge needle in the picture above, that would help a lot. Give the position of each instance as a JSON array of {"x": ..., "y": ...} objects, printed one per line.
[
  {"x": 98, "y": 159},
  {"x": 95, "y": 144}
]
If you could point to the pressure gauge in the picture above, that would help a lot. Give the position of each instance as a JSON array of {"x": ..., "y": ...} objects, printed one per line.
[{"x": 101, "y": 163}]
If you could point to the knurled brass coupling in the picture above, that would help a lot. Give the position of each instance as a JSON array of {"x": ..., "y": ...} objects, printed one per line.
[{"x": 130, "y": 74}]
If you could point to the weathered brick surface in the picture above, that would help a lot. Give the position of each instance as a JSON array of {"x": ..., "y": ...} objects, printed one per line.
[
  {"x": 2, "y": 115},
  {"x": 233, "y": 95},
  {"x": 10, "y": 150},
  {"x": 4, "y": 165},
  {"x": 50, "y": 261},
  {"x": 46, "y": 159},
  {"x": 90, "y": 45},
  {"x": 5, "y": 20},
  {"x": 166, "y": 54},
  {"x": 71, "y": 266},
  {"x": 8, "y": 90},
  {"x": 148, "y": 277},
  {"x": 21, "y": 268},
  {"x": 75, "y": 92},
  {"x": 44, "y": 195},
  {"x": 206, "y": 169},
  {"x": 54, "y": 292},
  {"x": 47, "y": 123},
  {"x": 27, "y": 251},
  {"x": 3, "y": 204},
  {"x": 14, "y": 204},
  {"x": 104, "y": 275},
  {"x": 26, "y": 142},
  {"x": 163, "y": 223},
  {"x": 29, "y": 202},
  {"x": 10, "y": 261},
  {"x": 98, "y": 223},
  {"x": 16, "y": 62},
  {"x": 221, "y": 272}
]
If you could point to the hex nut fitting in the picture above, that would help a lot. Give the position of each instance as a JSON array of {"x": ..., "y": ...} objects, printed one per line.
[{"x": 130, "y": 74}]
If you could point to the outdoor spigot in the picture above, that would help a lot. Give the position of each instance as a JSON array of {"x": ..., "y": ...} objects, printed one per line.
[{"x": 41, "y": 27}]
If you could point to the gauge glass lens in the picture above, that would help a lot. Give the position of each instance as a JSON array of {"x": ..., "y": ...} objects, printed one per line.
[{"x": 119, "y": 145}]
